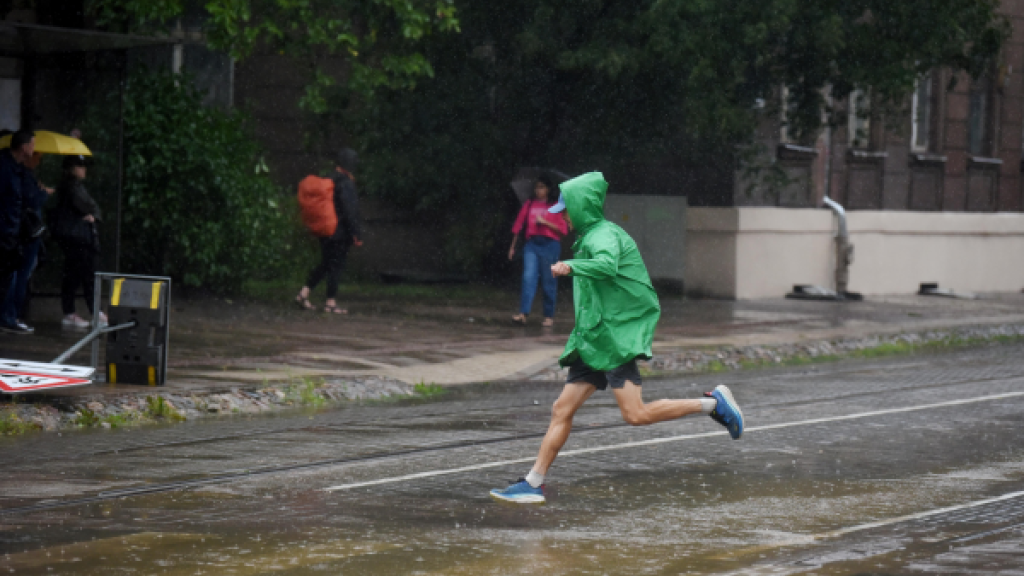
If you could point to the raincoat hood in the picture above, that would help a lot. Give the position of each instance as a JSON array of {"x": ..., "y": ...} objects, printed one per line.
[{"x": 584, "y": 199}]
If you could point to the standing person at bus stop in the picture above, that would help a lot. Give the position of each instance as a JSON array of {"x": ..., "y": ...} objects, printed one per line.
[
  {"x": 76, "y": 234},
  {"x": 33, "y": 196},
  {"x": 12, "y": 173},
  {"x": 543, "y": 232}
]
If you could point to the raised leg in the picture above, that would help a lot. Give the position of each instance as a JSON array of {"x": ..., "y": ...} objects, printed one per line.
[{"x": 636, "y": 413}]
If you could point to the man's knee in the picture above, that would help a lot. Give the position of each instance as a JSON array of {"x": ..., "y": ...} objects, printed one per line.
[
  {"x": 638, "y": 416},
  {"x": 562, "y": 409}
]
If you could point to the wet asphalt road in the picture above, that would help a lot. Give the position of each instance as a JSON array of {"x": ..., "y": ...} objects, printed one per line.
[{"x": 900, "y": 466}]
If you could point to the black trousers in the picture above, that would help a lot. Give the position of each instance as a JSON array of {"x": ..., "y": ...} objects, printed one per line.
[
  {"x": 10, "y": 261},
  {"x": 333, "y": 252},
  {"x": 79, "y": 270}
]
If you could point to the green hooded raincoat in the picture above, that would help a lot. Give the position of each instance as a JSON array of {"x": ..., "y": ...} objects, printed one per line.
[{"x": 616, "y": 306}]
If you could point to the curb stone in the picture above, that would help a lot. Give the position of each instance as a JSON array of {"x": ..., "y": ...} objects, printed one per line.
[{"x": 125, "y": 409}]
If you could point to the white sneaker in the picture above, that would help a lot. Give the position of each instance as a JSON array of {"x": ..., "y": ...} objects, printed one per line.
[
  {"x": 74, "y": 321},
  {"x": 103, "y": 320}
]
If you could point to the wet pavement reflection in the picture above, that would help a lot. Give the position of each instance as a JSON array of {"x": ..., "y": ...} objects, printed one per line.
[{"x": 847, "y": 468}]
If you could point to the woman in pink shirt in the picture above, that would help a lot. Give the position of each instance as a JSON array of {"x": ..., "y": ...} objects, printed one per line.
[{"x": 544, "y": 232}]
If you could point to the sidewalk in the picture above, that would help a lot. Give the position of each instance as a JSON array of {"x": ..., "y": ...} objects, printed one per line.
[{"x": 219, "y": 345}]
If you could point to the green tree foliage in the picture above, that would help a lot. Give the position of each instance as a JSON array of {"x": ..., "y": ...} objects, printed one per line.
[
  {"x": 657, "y": 93},
  {"x": 378, "y": 40},
  {"x": 198, "y": 204},
  {"x": 633, "y": 87}
]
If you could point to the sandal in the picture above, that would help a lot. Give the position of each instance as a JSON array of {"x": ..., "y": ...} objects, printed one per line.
[
  {"x": 548, "y": 322},
  {"x": 303, "y": 303},
  {"x": 334, "y": 309},
  {"x": 519, "y": 319}
]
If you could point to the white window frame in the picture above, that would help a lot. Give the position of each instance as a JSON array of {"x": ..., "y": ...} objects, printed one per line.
[
  {"x": 916, "y": 122},
  {"x": 784, "y": 137},
  {"x": 858, "y": 128}
]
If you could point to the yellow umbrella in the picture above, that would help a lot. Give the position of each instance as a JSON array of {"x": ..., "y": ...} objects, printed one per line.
[{"x": 53, "y": 143}]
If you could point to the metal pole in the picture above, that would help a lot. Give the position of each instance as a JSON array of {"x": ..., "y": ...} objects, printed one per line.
[
  {"x": 97, "y": 283},
  {"x": 122, "y": 71},
  {"x": 167, "y": 329},
  {"x": 92, "y": 337}
]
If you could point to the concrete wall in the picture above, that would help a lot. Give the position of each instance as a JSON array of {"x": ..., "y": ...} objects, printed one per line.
[
  {"x": 747, "y": 253},
  {"x": 658, "y": 225}
]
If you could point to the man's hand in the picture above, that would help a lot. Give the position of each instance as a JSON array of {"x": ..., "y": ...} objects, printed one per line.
[
  {"x": 357, "y": 242},
  {"x": 560, "y": 269},
  {"x": 512, "y": 252}
]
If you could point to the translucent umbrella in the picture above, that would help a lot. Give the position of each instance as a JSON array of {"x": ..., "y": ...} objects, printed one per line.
[
  {"x": 526, "y": 177},
  {"x": 53, "y": 143}
]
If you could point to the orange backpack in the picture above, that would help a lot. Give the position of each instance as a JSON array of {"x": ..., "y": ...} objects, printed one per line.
[{"x": 316, "y": 200}]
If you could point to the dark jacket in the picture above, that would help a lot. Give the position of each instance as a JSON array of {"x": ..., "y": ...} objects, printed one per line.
[
  {"x": 11, "y": 200},
  {"x": 346, "y": 206},
  {"x": 32, "y": 192},
  {"x": 73, "y": 204}
]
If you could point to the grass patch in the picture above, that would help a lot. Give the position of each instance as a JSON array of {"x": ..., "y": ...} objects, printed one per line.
[
  {"x": 12, "y": 425},
  {"x": 118, "y": 420},
  {"x": 715, "y": 366},
  {"x": 158, "y": 409},
  {"x": 303, "y": 391},
  {"x": 86, "y": 418},
  {"x": 430, "y": 390},
  {"x": 645, "y": 370},
  {"x": 885, "y": 349}
]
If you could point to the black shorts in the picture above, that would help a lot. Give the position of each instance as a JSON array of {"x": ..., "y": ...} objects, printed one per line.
[{"x": 580, "y": 372}]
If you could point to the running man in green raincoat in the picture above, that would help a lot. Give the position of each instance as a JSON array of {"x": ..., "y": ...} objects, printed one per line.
[{"x": 616, "y": 313}]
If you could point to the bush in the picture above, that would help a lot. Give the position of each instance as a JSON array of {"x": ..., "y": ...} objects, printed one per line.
[{"x": 198, "y": 204}]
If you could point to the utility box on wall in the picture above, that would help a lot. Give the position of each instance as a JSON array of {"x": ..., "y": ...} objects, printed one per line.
[{"x": 658, "y": 225}]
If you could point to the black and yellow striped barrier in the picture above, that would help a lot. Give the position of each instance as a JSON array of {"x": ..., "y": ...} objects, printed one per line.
[{"x": 137, "y": 355}]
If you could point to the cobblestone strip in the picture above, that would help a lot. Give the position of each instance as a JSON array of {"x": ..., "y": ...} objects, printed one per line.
[
  {"x": 721, "y": 359},
  {"x": 167, "y": 405}
]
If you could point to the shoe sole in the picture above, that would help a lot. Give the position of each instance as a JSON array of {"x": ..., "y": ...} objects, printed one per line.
[
  {"x": 727, "y": 395},
  {"x": 524, "y": 499},
  {"x": 15, "y": 331}
]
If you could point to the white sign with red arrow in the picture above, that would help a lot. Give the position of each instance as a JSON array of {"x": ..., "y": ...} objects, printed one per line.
[{"x": 19, "y": 376}]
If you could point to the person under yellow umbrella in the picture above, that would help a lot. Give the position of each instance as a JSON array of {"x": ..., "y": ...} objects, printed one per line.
[
  {"x": 34, "y": 193},
  {"x": 53, "y": 143}
]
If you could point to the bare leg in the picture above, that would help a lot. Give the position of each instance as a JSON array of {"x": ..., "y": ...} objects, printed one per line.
[
  {"x": 569, "y": 401},
  {"x": 636, "y": 413}
]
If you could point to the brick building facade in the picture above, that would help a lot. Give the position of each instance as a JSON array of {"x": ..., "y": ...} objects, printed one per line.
[{"x": 956, "y": 149}]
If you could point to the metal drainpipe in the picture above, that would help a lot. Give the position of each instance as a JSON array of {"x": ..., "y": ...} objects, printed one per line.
[{"x": 844, "y": 250}]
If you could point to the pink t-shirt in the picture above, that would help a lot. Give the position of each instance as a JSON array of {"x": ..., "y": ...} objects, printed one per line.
[{"x": 530, "y": 211}]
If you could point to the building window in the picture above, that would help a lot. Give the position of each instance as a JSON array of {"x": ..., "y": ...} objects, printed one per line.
[
  {"x": 979, "y": 125},
  {"x": 784, "y": 132},
  {"x": 859, "y": 120},
  {"x": 921, "y": 113}
]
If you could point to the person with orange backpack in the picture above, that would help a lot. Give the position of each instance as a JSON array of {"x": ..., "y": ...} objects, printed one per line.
[{"x": 330, "y": 209}]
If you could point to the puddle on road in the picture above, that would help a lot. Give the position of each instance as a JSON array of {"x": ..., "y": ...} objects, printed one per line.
[
  {"x": 707, "y": 519},
  {"x": 175, "y": 554}
]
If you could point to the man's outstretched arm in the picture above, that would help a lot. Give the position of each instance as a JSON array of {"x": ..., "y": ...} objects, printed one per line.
[{"x": 603, "y": 263}]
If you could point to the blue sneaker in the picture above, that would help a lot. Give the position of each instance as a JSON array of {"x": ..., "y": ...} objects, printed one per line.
[
  {"x": 520, "y": 492},
  {"x": 727, "y": 412}
]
